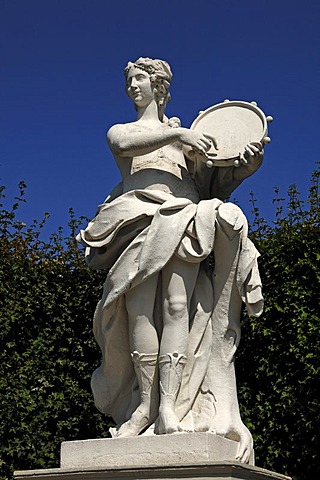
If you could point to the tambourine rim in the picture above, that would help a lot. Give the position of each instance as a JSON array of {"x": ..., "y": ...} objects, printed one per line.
[{"x": 233, "y": 103}]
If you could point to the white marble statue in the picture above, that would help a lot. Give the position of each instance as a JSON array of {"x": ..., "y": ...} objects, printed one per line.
[{"x": 168, "y": 321}]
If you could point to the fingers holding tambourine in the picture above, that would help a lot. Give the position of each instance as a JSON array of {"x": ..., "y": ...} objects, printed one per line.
[
  {"x": 212, "y": 140},
  {"x": 206, "y": 141},
  {"x": 253, "y": 153},
  {"x": 200, "y": 143}
]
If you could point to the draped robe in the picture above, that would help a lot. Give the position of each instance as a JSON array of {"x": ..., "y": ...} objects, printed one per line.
[{"x": 133, "y": 236}]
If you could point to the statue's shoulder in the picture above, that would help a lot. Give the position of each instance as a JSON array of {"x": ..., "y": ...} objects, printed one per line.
[
  {"x": 117, "y": 133},
  {"x": 121, "y": 128},
  {"x": 115, "y": 130}
]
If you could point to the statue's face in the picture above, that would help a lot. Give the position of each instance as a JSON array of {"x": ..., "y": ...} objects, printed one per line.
[{"x": 138, "y": 87}]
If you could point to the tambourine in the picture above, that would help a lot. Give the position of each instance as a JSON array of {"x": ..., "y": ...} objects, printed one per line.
[{"x": 234, "y": 124}]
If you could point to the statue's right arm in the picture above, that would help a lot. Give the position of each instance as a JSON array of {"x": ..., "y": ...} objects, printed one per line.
[
  {"x": 133, "y": 140},
  {"x": 130, "y": 140}
]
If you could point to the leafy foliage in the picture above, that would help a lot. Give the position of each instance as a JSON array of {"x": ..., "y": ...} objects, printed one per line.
[
  {"x": 47, "y": 353},
  {"x": 278, "y": 364}
]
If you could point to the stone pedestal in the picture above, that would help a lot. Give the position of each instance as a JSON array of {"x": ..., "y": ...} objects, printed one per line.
[
  {"x": 182, "y": 456},
  {"x": 146, "y": 451}
]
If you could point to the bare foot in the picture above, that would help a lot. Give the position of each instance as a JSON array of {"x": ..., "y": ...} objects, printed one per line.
[
  {"x": 139, "y": 420},
  {"x": 168, "y": 421}
]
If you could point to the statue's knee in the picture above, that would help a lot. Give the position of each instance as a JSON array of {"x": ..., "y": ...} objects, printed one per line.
[
  {"x": 176, "y": 305},
  {"x": 231, "y": 218}
]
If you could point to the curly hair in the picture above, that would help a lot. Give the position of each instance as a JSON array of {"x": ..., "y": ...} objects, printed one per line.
[{"x": 160, "y": 76}]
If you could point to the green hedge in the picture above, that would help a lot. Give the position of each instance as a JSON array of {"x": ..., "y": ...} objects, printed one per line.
[
  {"x": 278, "y": 364},
  {"x": 47, "y": 353}
]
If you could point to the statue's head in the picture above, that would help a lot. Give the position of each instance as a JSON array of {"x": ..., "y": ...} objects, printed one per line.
[{"x": 160, "y": 76}]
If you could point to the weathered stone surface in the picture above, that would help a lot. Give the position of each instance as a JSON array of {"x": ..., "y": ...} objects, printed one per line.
[
  {"x": 204, "y": 471},
  {"x": 146, "y": 451},
  {"x": 167, "y": 325}
]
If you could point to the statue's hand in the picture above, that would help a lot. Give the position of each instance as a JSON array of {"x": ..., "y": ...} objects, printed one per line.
[
  {"x": 199, "y": 142},
  {"x": 234, "y": 429},
  {"x": 252, "y": 155}
]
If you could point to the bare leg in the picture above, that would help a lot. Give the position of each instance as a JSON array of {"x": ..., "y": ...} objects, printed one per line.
[
  {"x": 144, "y": 347},
  {"x": 178, "y": 281},
  {"x": 140, "y": 300}
]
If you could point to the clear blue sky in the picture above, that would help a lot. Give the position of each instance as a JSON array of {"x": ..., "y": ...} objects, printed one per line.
[{"x": 62, "y": 87}]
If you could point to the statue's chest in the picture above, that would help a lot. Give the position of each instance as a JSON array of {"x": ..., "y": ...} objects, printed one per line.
[{"x": 168, "y": 158}]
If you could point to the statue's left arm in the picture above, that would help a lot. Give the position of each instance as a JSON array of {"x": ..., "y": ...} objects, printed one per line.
[{"x": 226, "y": 179}]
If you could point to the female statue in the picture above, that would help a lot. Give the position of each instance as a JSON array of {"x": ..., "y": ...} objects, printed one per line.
[{"x": 167, "y": 325}]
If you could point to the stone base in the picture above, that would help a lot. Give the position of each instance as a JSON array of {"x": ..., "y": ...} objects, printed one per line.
[
  {"x": 146, "y": 451},
  {"x": 193, "y": 456},
  {"x": 218, "y": 471}
]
